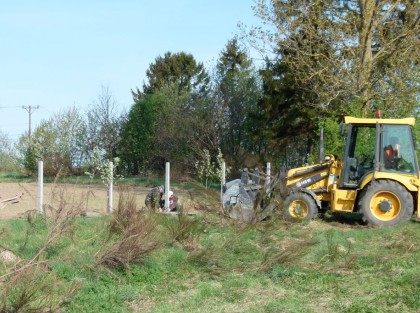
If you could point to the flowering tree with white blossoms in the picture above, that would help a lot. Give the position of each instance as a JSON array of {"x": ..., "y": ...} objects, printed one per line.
[
  {"x": 106, "y": 171},
  {"x": 209, "y": 170}
]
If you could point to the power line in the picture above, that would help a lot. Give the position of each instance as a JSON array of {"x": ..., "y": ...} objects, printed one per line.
[
  {"x": 15, "y": 106},
  {"x": 30, "y": 109}
]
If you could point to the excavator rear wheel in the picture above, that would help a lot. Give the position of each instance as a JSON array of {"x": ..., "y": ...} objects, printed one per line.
[
  {"x": 385, "y": 203},
  {"x": 299, "y": 206}
]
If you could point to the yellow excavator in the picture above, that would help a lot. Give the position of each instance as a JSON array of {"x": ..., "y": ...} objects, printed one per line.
[{"x": 378, "y": 176}]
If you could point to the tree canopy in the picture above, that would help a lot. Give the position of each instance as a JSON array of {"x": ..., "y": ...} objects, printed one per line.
[
  {"x": 179, "y": 69},
  {"x": 341, "y": 51}
]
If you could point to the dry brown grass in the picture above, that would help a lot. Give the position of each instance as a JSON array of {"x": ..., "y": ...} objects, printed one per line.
[
  {"x": 185, "y": 230},
  {"x": 34, "y": 289},
  {"x": 288, "y": 253},
  {"x": 135, "y": 232}
]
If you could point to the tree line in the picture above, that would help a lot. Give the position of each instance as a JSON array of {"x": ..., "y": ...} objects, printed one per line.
[{"x": 322, "y": 60}]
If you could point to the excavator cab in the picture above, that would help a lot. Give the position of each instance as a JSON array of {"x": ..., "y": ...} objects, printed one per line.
[
  {"x": 380, "y": 173},
  {"x": 381, "y": 147}
]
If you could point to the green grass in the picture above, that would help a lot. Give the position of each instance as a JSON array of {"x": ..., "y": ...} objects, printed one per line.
[{"x": 268, "y": 267}]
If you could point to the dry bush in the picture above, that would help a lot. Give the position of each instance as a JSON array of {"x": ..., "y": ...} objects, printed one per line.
[
  {"x": 34, "y": 289},
  {"x": 212, "y": 256},
  {"x": 65, "y": 205},
  {"x": 338, "y": 255},
  {"x": 288, "y": 254},
  {"x": 135, "y": 231},
  {"x": 125, "y": 213},
  {"x": 336, "y": 251},
  {"x": 135, "y": 241},
  {"x": 406, "y": 242},
  {"x": 185, "y": 230}
]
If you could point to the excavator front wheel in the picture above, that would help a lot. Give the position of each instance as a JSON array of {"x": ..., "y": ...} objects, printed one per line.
[
  {"x": 299, "y": 206},
  {"x": 385, "y": 203}
]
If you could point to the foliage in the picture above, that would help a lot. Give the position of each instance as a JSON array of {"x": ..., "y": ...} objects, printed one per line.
[
  {"x": 58, "y": 142},
  {"x": 208, "y": 169},
  {"x": 172, "y": 116},
  {"x": 139, "y": 130},
  {"x": 153, "y": 134},
  {"x": 104, "y": 168},
  {"x": 9, "y": 161},
  {"x": 285, "y": 128},
  {"x": 339, "y": 50},
  {"x": 103, "y": 123},
  {"x": 328, "y": 59},
  {"x": 235, "y": 95},
  {"x": 179, "y": 69}
]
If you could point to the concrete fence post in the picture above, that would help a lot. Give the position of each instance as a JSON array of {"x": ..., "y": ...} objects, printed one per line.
[
  {"x": 222, "y": 182},
  {"x": 167, "y": 180},
  {"x": 268, "y": 180},
  {"x": 40, "y": 187},
  {"x": 110, "y": 187}
]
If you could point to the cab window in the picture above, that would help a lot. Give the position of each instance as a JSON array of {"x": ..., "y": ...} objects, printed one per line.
[{"x": 398, "y": 153}]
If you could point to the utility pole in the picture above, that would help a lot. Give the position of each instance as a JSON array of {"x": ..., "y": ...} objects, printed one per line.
[{"x": 30, "y": 109}]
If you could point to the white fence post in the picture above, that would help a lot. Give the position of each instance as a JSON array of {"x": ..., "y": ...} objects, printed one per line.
[
  {"x": 268, "y": 178},
  {"x": 110, "y": 186},
  {"x": 167, "y": 180},
  {"x": 222, "y": 182},
  {"x": 40, "y": 187}
]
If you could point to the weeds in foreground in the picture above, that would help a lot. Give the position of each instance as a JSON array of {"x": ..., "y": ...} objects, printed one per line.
[
  {"x": 184, "y": 231},
  {"x": 407, "y": 242},
  {"x": 126, "y": 212},
  {"x": 135, "y": 235},
  {"x": 288, "y": 254},
  {"x": 133, "y": 244},
  {"x": 336, "y": 251},
  {"x": 34, "y": 289},
  {"x": 208, "y": 255},
  {"x": 29, "y": 286}
]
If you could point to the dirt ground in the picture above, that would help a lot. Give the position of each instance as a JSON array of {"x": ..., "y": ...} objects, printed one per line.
[{"x": 90, "y": 198}]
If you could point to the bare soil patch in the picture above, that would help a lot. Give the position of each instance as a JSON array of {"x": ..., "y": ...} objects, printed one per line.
[{"x": 92, "y": 198}]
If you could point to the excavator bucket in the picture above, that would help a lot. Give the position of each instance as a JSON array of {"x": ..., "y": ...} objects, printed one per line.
[{"x": 247, "y": 200}]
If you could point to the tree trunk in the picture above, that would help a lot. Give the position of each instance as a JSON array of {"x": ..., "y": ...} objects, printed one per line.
[{"x": 367, "y": 12}]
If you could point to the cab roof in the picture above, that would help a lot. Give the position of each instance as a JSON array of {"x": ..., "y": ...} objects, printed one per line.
[{"x": 371, "y": 121}]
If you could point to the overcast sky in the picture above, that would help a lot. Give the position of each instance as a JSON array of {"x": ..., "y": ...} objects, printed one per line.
[{"x": 56, "y": 54}]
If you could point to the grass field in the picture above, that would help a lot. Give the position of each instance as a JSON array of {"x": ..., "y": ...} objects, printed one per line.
[{"x": 203, "y": 262}]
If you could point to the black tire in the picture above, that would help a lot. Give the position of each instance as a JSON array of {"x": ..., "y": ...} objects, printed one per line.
[
  {"x": 299, "y": 206},
  {"x": 385, "y": 203}
]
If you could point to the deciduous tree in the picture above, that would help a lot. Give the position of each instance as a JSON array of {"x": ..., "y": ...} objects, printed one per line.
[
  {"x": 59, "y": 142},
  {"x": 344, "y": 50},
  {"x": 103, "y": 123}
]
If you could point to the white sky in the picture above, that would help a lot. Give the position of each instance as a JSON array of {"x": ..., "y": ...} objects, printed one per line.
[{"x": 55, "y": 54}]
